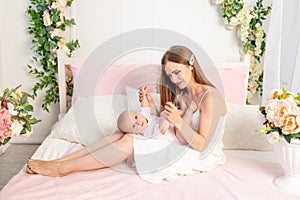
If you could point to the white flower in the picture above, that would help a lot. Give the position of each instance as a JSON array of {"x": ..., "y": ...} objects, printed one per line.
[
  {"x": 259, "y": 38},
  {"x": 46, "y": 18},
  {"x": 234, "y": 21},
  {"x": 27, "y": 134},
  {"x": 62, "y": 3},
  {"x": 56, "y": 32},
  {"x": 11, "y": 109},
  {"x": 59, "y": 23},
  {"x": 66, "y": 50},
  {"x": 273, "y": 137},
  {"x": 57, "y": 6},
  {"x": 16, "y": 128}
]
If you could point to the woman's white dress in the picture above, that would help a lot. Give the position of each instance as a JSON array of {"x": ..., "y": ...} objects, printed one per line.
[{"x": 157, "y": 160}]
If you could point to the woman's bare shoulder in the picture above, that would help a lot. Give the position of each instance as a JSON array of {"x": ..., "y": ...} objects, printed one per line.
[{"x": 211, "y": 95}]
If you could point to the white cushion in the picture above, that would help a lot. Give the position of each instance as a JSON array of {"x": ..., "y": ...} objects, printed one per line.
[
  {"x": 239, "y": 133},
  {"x": 90, "y": 118}
]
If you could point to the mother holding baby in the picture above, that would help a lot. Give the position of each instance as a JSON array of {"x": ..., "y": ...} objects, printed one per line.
[{"x": 182, "y": 82}]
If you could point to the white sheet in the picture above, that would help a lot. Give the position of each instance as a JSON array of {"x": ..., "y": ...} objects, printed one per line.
[{"x": 238, "y": 178}]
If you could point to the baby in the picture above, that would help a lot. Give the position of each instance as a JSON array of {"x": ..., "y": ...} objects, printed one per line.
[{"x": 150, "y": 125}]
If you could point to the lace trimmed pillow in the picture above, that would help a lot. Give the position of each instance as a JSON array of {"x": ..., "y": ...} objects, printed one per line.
[{"x": 90, "y": 118}]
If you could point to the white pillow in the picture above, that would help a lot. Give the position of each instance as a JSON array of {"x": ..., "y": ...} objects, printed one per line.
[
  {"x": 239, "y": 133},
  {"x": 133, "y": 99},
  {"x": 89, "y": 119}
]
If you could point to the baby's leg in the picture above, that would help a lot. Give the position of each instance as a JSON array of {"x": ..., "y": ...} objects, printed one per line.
[
  {"x": 164, "y": 126},
  {"x": 187, "y": 117}
]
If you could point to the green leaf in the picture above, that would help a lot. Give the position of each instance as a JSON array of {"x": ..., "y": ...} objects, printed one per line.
[
  {"x": 23, "y": 100},
  {"x": 6, "y": 140},
  {"x": 287, "y": 137},
  {"x": 28, "y": 127},
  {"x": 29, "y": 108},
  {"x": 33, "y": 121}
]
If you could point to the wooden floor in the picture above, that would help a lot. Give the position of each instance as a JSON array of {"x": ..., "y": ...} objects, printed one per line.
[{"x": 13, "y": 159}]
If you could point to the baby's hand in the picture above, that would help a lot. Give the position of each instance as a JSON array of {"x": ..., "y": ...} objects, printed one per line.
[{"x": 142, "y": 96}]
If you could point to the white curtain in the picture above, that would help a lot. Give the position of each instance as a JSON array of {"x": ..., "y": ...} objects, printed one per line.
[{"x": 282, "y": 58}]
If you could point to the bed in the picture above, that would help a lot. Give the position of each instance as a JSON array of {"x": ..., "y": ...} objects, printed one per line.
[{"x": 248, "y": 173}]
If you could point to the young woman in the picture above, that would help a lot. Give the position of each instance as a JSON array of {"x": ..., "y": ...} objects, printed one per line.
[{"x": 182, "y": 81}]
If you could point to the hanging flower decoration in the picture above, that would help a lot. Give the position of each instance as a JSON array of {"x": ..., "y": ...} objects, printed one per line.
[
  {"x": 248, "y": 21},
  {"x": 47, "y": 26}
]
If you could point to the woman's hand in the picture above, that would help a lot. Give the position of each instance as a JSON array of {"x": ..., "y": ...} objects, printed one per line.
[{"x": 173, "y": 115}]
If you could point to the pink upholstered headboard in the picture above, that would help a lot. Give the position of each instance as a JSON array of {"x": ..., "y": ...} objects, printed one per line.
[{"x": 113, "y": 80}]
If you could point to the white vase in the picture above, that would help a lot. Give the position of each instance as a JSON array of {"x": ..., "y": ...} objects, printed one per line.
[{"x": 289, "y": 158}]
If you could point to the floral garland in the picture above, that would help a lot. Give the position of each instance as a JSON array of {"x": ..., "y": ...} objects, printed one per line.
[
  {"x": 47, "y": 24},
  {"x": 15, "y": 114},
  {"x": 248, "y": 21}
]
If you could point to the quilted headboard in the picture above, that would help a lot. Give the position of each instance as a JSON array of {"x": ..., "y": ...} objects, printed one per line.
[{"x": 234, "y": 77}]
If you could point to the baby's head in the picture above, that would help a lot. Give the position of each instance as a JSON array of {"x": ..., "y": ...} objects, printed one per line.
[{"x": 132, "y": 122}]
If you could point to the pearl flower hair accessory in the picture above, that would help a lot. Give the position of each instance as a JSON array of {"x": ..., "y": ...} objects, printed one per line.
[{"x": 192, "y": 60}]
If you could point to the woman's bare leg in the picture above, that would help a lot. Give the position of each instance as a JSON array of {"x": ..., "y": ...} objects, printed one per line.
[
  {"x": 97, "y": 145},
  {"x": 107, "y": 156}
]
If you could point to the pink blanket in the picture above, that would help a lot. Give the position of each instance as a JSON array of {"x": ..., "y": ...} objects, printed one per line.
[{"x": 239, "y": 179}]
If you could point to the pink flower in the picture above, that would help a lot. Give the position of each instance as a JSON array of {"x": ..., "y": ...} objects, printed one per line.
[
  {"x": 274, "y": 94},
  {"x": 56, "y": 32},
  {"x": 291, "y": 124},
  {"x": 5, "y": 123},
  {"x": 62, "y": 3},
  {"x": 46, "y": 18},
  {"x": 276, "y": 109},
  {"x": 58, "y": 7}
]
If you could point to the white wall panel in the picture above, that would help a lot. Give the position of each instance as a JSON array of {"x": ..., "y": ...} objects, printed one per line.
[{"x": 99, "y": 20}]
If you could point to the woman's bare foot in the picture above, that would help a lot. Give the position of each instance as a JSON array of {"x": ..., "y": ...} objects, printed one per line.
[
  {"x": 46, "y": 168},
  {"x": 28, "y": 170}
]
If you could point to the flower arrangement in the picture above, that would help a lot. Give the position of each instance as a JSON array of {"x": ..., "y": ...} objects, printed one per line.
[
  {"x": 282, "y": 114},
  {"x": 248, "y": 21},
  {"x": 47, "y": 24},
  {"x": 15, "y": 117}
]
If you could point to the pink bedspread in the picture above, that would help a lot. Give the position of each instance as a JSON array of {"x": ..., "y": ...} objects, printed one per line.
[{"x": 239, "y": 178}]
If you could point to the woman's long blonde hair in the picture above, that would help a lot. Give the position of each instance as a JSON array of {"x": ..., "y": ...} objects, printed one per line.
[{"x": 182, "y": 55}]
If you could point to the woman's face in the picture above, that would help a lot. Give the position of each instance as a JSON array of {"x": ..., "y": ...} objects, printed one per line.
[{"x": 179, "y": 74}]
